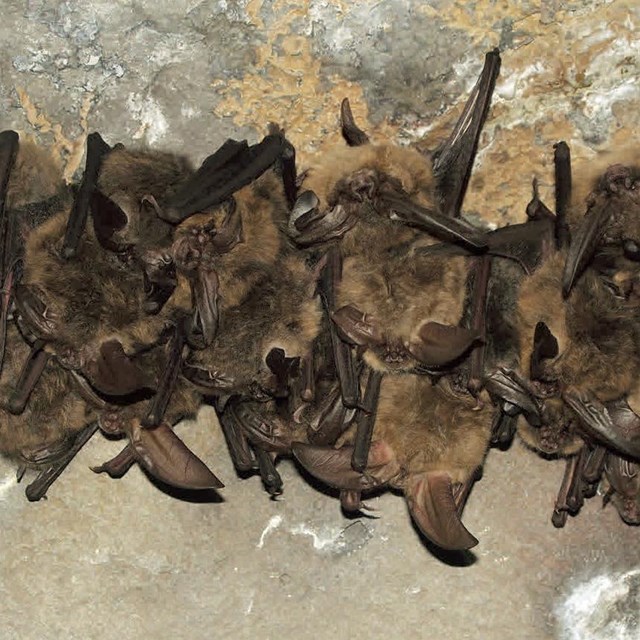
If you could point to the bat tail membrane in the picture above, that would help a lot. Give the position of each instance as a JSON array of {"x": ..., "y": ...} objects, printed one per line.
[
  {"x": 97, "y": 149},
  {"x": 435, "y": 506},
  {"x": 454, "y": 162}
]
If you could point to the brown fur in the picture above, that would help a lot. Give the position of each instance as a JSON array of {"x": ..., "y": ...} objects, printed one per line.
[
  {"x": 381, "y": 276},
  {"x": 54, "y": 411},
  {"x": 431, "y": 428},
  {"x": 280, "y": 311}
]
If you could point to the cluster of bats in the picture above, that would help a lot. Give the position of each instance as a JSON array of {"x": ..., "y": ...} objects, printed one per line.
[{"x": 346, "y": 316}]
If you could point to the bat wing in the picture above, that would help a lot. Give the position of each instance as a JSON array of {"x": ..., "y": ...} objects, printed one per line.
[
  {"x": 613, "y": 423},
  {"x": 233, "y": 166},
  {"x": 166, "y": 457},
  {"x": 333, "y": 466},
  {"x": 433, "y": 506},
  {"x": 97, "y": 148},
  {"x": 353, "y": 135},
  {"x": 8, "y": 151},
  {"x": 453, "y": 163}
]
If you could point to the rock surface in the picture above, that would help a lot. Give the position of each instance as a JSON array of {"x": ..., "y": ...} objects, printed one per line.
[{"x": 105, "y": 559}]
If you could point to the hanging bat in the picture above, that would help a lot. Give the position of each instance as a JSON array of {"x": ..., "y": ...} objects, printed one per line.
[
  {"x": 378, "y": 200},
  {"x": 428, "y": 441}
]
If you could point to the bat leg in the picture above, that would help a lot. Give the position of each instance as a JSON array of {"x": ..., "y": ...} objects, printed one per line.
[
  {"x": 435, "y": 504},
  {"x": 39, "y": 487},
  {"x": 454, "y": 162},
  {"x": 168, "y": 380},
  {"x": 562, "y": 172},
  {"x": 97, "y": 148},
  {"x": 333, "y": 466},
  {"x": 594, "y": 466},
  {"x": 29, "y": 376},
  {"x": 118, "y": 466},
  {"x": 268, "y": 472},
  {"x": 167, "y": 458},
  {"x": 308, "y": 378},
  {"x": 615, "y": 425},
  {"x": 482, "y": 268},
  {"x": 241, "y": 454},
  {"x": 365, "y": 421},
  {"x": 286, "y": 164},
  {"x": 160, "y": 280},
  {"x": 570, "y": 497},
  {"x": 344, "y": 362}
]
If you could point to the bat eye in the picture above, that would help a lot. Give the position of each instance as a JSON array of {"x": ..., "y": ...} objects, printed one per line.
[{"x": 631, "y": 250}]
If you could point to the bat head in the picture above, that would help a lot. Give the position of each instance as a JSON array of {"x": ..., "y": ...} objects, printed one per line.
[{"x": 612, "y": 219}]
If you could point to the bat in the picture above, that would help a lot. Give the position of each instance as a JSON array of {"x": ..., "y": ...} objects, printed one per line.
[
  {"x": 374, "y": 207},
  {"x": 429, "y": 441}
]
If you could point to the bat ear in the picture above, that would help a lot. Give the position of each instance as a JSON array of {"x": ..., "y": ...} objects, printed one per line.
[
  {"x": 333, "y": 466},
  {"x": 114, "y": 373},
  {"x": 167, "y": 458},
  {"x": 357, "y": 327},
  {"x": 108, "y": 219},
  {"x": 433, "y": 507},
  {"x": 439, "y": 344},
  {"x": 353, "y": 135},
  {"x": 545, "y": 346}
]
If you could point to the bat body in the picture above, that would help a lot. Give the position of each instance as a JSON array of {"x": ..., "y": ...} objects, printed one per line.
[{"x": 428, "y": 441}]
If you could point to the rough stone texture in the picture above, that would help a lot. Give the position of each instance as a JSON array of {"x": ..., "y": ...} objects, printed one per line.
[{"x": 104, "y": 559}]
